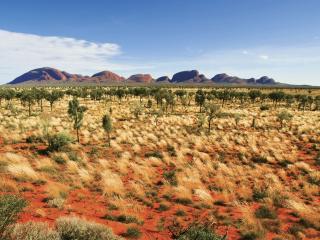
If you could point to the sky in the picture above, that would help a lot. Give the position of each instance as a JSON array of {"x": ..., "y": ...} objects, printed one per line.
[{"x": 247, "y": 38}]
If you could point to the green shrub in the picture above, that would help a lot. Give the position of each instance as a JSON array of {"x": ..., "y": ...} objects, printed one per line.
[
  {"x": 284, "y": 163},
  {"x": 265, "y": 212},
  {"x": 132, "y": 232},
  {"x": 122, "y": 218},
  {"x": 112, "y": 207},
  {"x": 127, "y": 219},
  {"x": 198, "y": 232},
  {"x": 264, "y": 107},
  {"x": 183, "y": 201},
  {"x": 163, "y": 207},
  {"x": 180, "y": 213},
  {"x": 33, "y": 231},
  {"x": 249, "y": 236},
  {"x": 73, "y": 228},
  {"x": 279, "y": 200},
  {"x": 34, "y": 139},
  {"x": 39, "y": 182},
  {"x": 220, "y": 202},
  {"x": 307, "y": 224},
  {"x": 73, "y": 156},
  {"x": 10, "y": 207},
  {"x": 155, "y": 154},
  {"x": 171, "y": 177},
  {"x": 58, "y": 141},
  {"x": 172, "y": 151},
  {"x": 295, "y": 229},
  {"x": 259, "y": 159},
  {"x": 59, "y": 159},
  {"x": 259, "y": 194}
]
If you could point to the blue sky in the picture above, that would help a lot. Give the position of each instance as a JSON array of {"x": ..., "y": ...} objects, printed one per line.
[{"x": 247, "y": 38}]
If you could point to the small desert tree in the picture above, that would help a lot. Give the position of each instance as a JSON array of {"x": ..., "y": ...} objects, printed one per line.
[
  {"x": 76, "y": 112},
  {"x": 137, "y": 110},
  {"x": 276, "y": 97},
  {"x": 169, "y": 97},
  {"x": 9, "y": 94},
  {"x": 53, "y": 96},
  {"x": 212, "y": 111},
  {"x": 254, "y": 94},
  {"x": 27, "y": 97},
  {"x": 200, "y": 98},
  {"x": 107, "y": 126},
  {"x": 39, "y": 95}
]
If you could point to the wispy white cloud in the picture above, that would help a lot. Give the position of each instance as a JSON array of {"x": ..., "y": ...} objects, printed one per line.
[
  {"x": 21, "y": 52},
  {"x": 264, "y": 57}
]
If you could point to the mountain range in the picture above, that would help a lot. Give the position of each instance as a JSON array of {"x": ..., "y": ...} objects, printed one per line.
[{"x": 47, "y": 75}]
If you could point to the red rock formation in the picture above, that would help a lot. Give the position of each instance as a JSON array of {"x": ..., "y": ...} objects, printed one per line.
[
  {"x": 107, "y": 76},
  {"x": 141, "y": 78}
]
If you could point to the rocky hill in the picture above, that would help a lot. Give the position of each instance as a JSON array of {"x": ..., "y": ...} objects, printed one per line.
[
  {"x": 107, "y": 76},
  {"x": 226, "y": 79},
  {"x": 140, "y": 78},
  {"x": 163, "y": 79},
  {"x": 46, "y": 74},
  {"x": 51, "y": 75},
  {"x": 192, "y": 76}
]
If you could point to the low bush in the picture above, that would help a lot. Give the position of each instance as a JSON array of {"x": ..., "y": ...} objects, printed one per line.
[
  {"x": 122, "y": 218},
  {"x": 70, "y": 228},
  {"x": 58, "y": 141},
  {"x": 10, "y": 207},
  {"x": 73, "y": 156},
  {"x": 265, "y": 212},
  {"x": 249, "y": 236},
  {"x": 295, "y": 229},
  {"x": 264, "y": 107},
  {"x": 220, "y": 203},
  {"x": 259, "y": 159},
  {"x": 172, "y": 151},
  {"x": 155, "y": 154},
  {"x": 198, "y": 232},
  {"x": 58, "y": 159},
  {"x": 183, "y": 201},
  {"x": 180, "y": 213},
  {"x": 132, "y": 232},
  {"x": 34, "y": 139},
  {"x": 56, "y": 203},
  {"x": 33, "y": 231},
  {"x": 163, "y": 207},
  {"x": 171, "y": 177},
  {"x": 259, "y": 194}
]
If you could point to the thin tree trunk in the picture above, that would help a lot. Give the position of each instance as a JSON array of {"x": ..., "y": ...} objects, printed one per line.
[
  {"x": 29, "y": 109},
  {"x": 78, "y": 138}
]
